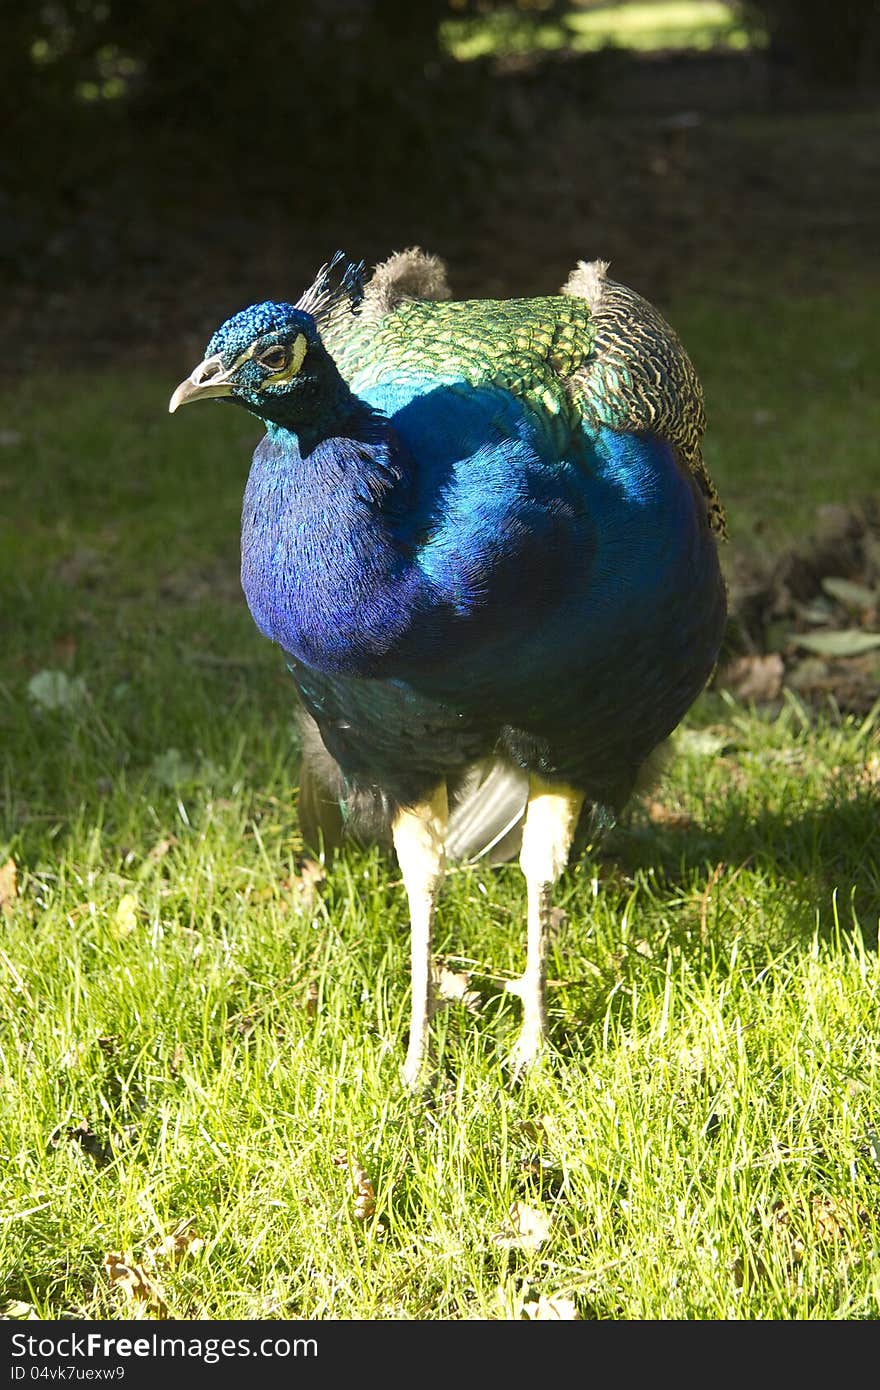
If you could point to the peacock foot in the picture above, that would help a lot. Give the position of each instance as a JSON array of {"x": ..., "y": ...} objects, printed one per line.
[
  {"x": 418, "y": 1070},
  {"x": 531, "y": 1044}
]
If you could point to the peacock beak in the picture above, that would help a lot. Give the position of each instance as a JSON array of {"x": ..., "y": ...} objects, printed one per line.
[{"x": 208, "y": 379}]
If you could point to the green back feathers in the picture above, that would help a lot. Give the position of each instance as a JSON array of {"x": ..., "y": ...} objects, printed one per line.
[
  {"x": 532, "y": 347},
  {"x": 597, "y": 351}
]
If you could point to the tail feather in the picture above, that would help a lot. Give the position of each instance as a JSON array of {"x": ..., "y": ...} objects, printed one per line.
[
  {"x": 487, "y": 814},
  {"x": 487, "y": 807},
  {"x": 320, "y": 814}
]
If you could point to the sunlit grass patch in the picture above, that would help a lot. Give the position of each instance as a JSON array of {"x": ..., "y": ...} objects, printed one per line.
[{"x": 642, "y": 27}]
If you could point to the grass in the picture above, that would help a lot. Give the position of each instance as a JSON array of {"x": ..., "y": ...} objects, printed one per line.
[
  {"x": 197, "y": 1039},
  {"x": 793, "y": 418},
  {"x": 642, "y": 27}
]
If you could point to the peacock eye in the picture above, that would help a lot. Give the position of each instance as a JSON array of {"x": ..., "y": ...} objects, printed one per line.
[{"x": 275, "y": 358}]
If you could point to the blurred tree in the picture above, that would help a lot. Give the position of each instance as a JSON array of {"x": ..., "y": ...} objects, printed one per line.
[
  {"x": 329, "y": 92},
  {"x": 837, "y": 44},
  {"x": 222, "y": 61}
]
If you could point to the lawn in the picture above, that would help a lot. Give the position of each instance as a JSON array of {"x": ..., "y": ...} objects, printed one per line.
[
  {"x": 583, "y": 28},
  {"x": 200, "y": 1035}
]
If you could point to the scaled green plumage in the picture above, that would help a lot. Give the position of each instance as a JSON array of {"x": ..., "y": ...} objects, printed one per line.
[{"x": 597, "y": 354}]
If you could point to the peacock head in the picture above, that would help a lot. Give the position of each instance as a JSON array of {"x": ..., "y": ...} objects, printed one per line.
[{"x": 270, "y": 358}]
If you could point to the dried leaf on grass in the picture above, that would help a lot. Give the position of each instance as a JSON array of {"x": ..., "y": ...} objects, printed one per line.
[
  {"x": 131, "y": 1280},
  {"x": 846, "y": 642},
  {"x": 365, "y": 1195},
  {"x": 182, "y": 1243},
  {"x": 304, "y": 888},
  {"x": 658, "y": 814},
  {"x": 826, "y": 1216},
  {"x": 537, "y": 1130},
  {"x": 8, "y": 885},
  {"x": 554, "y": 1308},
  {"x": 453, "y": 987},
  {"x": 54, "y": 690},
  {"x": 156, "y": 855},
  {"x": 705, "y": 743},
  {"x": 833, "y": 1220},
  {"x": 754, "y": 677},
  {"x": 823, "y": 1218},
  {"x": 869, "y": 776},
  {"x": 850, "y": 594},
  {"x": 18, "y": 1311},
  {"x": 64, "y": 648},
  {"x": 528, "y": 1229},
  {"x": 819, "y": 610}
]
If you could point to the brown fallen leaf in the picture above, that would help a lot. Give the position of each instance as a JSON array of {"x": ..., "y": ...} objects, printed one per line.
[
  {"x": 829, "y": 1219},
  {"x": 365, "y": 1195},
  {"x": 182, "y": 1243},
  {"x": 537, "y": 1130},
  {"x": 453, "y": 987},
  {"x": 834, "y": 1221},
  {"x": 753, "y": 677},
  {"x": 134, "y": 1283},
  {"x": 161, "y": 848},
  {"x": 658, "y": 814},
  {"x": 782, "y": 1227},
  {"x": 8, "y": 886},
  {"x": 528, "y": 1229},
  {"x": 305, "y": 886}
]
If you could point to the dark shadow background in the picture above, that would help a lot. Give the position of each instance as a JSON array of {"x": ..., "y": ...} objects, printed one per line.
[{"x": 165, "y": 163}]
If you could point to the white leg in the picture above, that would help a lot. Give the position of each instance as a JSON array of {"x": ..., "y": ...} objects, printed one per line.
[
  {"x": 419, "y": 834},
  {"x": 551, "y": 820}
]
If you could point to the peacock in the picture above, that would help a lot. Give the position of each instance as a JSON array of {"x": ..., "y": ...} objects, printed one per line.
[{"x": 484, "y": 537}]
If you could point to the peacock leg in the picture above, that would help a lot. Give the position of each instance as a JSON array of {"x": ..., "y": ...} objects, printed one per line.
[
  {"x": 551, "y": 820},
  {"x": 419, "y": 834}
]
